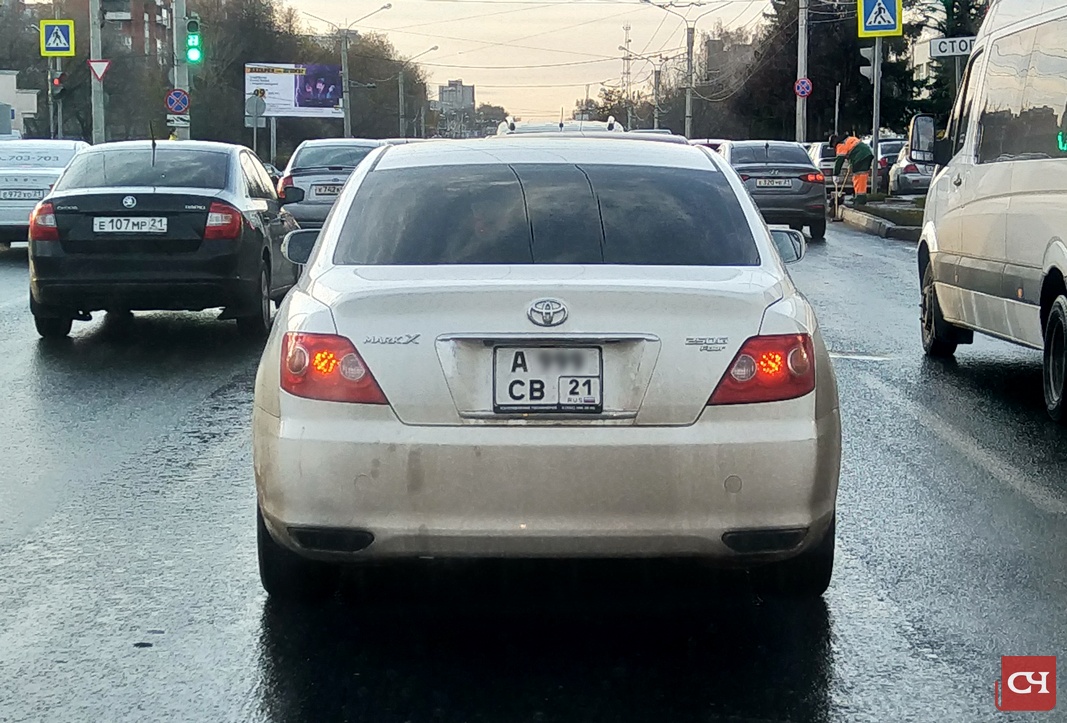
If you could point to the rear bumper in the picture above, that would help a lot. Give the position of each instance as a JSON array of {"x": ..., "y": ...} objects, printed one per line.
[
  {"x": 545, "y": 491},
  {"x": 218, "y": 274},
  {"x": 310, "y": 216},
  {"x": 785, "y": 209},
  {"x": 15, "y": 221},
  {"x": 909, "y": 182}
]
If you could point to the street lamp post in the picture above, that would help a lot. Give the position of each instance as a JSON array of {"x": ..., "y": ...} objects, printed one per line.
[
  {"x": 657, "y": 69},
  {"x": 346, "y": 82},
  {"x": 690, "y": 36},
  {"x": 400, "y": 114}
]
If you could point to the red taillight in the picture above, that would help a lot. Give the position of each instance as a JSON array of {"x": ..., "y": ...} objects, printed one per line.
[
  {"x": 768, "y": 369},
  {"x": 813, "y": 178},
  {"x": 327, "y": 367},
  {"x": 283, "y": 183},
  {"x": 911, "y": 168},
  {"x": 43, "y": 223},
  {"x": 744, "y": 177},
  {"x": 223, "y": 222},
  {"x": 883, "y": 162}
]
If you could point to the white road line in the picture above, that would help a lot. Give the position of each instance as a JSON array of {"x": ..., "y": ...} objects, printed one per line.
[
  {"x": 859, "y": 357},
  {"x": 966, "y": 445}
]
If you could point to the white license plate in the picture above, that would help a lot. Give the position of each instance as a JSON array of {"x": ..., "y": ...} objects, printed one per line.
[
  {"x": 773, "y": 183},
  {"x": 548, "y": 379},
  {"x": 330, "y": 190},
  {"x": 20, "y": 195},
  {"x": 127, "y": 224}
]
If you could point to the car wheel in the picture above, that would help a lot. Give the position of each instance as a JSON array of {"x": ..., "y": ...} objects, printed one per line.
[
  {"x": 1054, "y": 369},
  {"x": 805, "y": 576},
  {"x": 53, "y": 327},
  {"x": 257, "y": 325},
  {"x": 818, "y": 230},
  {"x": 934, "y": 342},
  {"x": 288, "y": 576}
]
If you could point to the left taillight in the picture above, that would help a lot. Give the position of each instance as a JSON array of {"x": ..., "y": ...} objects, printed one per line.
[
  {"x": 43, "y": 225},
  {"x": 283, "y": 183},
  {"x": 223, "y": 222},
  {"x": 327, "y": 367},
  {"x": 813, "y": 178},
  {"x": 769, "y": 368}
]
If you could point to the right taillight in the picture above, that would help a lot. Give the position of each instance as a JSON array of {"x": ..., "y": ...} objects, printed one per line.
[
  {"x": 43, "y": 225},
  {"x": 327, "y": 367},
  {"x": 283, "y": 183},
  {"x": 223, "y": 222},
  {"x": 911, "y": 168},
  {"x": 768, "y": 369}
]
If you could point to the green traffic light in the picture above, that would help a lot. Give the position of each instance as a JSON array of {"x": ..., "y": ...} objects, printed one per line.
[
  {"x": 194, "y": 55},
  {"x": 1061, "y": 140}
]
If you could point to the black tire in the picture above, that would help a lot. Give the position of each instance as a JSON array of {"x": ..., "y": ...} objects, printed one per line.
[
  {"x": 288, "y": 576},
  {"x": 805, "y": 576},
  {"x": 797, "y": 226},
  {"x": 818, "y": 230},
  {"x": 1054, "y": 369},
  {"x": 934, "y": 326},
  {"x": 257, "y": 325},
  {"x": 53, "y": 327}
]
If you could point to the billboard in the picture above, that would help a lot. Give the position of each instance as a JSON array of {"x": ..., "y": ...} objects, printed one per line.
[{"x": 297, "y": 91}]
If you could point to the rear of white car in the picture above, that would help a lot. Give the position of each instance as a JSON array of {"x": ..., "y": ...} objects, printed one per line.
[
  {"x": 28, "y": 170},
  {"x": 564, "y": 348},
  {"x": 320, "y": 169}
]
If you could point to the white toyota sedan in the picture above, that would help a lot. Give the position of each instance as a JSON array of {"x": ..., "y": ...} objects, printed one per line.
[{"x": 545, "y": 347}]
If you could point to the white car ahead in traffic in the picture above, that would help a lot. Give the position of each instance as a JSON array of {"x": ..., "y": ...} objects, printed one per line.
[
  {"x": 556, "y": 347},
  {"x": 28, "y": 170}
]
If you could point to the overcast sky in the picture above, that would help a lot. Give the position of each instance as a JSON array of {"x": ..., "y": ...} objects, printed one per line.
[{"x": 574, "y": 42}]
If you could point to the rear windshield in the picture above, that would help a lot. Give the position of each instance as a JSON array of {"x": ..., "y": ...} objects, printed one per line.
[
  {"x": 174, "y": 168},
  {"x": 347, "y": 156},
  {"x": 768, "y": 153},
  {"x": 546, "y": 214},
  {"x": 828, "y": 152},
  {"x": 890, "y": 149},
  {"x": 25, "y": 155}
]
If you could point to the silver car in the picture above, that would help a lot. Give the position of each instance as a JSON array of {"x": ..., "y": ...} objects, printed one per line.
[
  {"x": 907, "y": 177},
  {"x": 785, "y": 184},
  {"x": 28, "y": 170},
  {"x": 545, "y": 347},
  {"x": 320, "y": 169}
]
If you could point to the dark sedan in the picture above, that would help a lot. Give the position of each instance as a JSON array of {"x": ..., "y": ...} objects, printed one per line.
[
  {"x": 784, "y": 182},
  {"x": 178, "y": 226}
]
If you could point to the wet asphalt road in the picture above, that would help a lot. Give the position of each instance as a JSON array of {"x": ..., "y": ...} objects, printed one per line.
[{"x": 130, "y": 592}]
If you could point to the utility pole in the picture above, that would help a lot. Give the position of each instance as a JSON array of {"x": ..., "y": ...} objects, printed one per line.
[
  {"x": 690, "y": 33},
  {"x": 400, "y": 105},
  {"x": 837, "y": 109},
  {"x": 346, "y": 85},
  {"x": 626, "y": 78},
  {"x": 877, "y": 78},
  {"x": 52, "y": 75},
  {"x": 181, "y": 64},
  {"x": 96, "y": 52},
  {"x": 802, "y": 70},
  {"x": 273, "y": 139},
  {"x": 655, "y": 97},
  {"x": 59, "y": 101}
]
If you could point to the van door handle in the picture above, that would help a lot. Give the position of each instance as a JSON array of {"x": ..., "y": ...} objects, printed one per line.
[{"x": 957, "y": 181}]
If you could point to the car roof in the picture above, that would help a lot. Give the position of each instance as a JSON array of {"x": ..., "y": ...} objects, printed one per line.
[
  {"x": 549, "y": 149},
  {"x": 164, "y": 145},
  {"x": 48, "y": 142},
  {"x": 748, "y": 144},
  {"x": 362, "y": 142},
  {"x": 611, "y": 135}
]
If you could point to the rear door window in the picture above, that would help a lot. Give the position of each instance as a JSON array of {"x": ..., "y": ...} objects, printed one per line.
[
  {"x": 546, "y": 214},
  {"x": 172, "y": 168},
  {"x": 340, "y": 155}
]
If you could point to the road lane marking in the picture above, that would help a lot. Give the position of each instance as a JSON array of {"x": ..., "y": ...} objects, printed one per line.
[
  {"x": 859, "y": 357},
  {"x": 970, "y": 448}
]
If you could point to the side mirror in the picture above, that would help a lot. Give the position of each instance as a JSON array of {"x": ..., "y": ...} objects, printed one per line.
[
  {"x": 298, "y": 245},
  {"x": 923, "y": 144},
  {"x": 791, "y": 244},
  {"x": 292, "y": 195}
]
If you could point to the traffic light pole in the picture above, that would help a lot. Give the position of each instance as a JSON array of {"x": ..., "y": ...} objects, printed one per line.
[
  {"x": 52, "y": 75},
  {"x": 876, "y": 77},
  {"x": 96, "y": 52},
  {"x": 802, "y": 71},
  {"x": 346, "y": 85},
  {"x": 181, "y": 66}
]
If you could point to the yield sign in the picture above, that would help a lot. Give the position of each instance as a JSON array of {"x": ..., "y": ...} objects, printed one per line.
[{"x": 99, "y": 68}]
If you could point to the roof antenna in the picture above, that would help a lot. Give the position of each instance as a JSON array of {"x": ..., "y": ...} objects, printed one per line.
[
  {"x": 152, "y": 135},
  {"x": 561, "y": 117},
  {"x": 611, "y": 122}
]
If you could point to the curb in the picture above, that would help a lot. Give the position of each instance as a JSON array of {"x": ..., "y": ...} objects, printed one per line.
[{"x": 879, "y": 226}]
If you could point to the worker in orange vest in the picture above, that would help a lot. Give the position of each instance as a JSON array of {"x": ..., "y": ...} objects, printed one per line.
[{"x": 859, "y": 157}]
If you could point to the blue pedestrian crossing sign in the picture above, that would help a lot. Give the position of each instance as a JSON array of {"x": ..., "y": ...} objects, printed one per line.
[
  {"x": 880, "y": 18},
  {"x": 57, "y": 38}
]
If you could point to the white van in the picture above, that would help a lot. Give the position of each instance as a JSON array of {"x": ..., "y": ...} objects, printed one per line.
[{"x": 993, "y": 252}]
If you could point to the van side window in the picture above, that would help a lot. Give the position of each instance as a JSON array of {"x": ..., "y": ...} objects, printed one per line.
[
  {"x": 1000, "y": 128},
  {"x": 961, "y": 112},
  {"x": 1043, "y": 120}
]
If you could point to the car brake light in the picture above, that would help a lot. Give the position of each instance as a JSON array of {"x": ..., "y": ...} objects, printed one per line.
[
  {"x": 283, "y": 183},
  {"x": 813, "y": 178},
  {"x": 768, "y": 369},
  {"x": 911, "y": 168},
  {"x": 883, "y": 162},
  {"x": 744, "y": 177},
  {"x": 327, "y": 367},
  {"x": 43, "y": 225},
  {"x": 223, "y": 222}
]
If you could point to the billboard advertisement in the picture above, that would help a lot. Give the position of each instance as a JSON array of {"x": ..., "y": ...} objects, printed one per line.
[{"x": 296, "y": 91}]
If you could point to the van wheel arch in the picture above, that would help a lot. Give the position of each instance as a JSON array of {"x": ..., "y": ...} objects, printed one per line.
[
  {"x": 924, "y": 258},
  {"x": 1051, "y": 287}
]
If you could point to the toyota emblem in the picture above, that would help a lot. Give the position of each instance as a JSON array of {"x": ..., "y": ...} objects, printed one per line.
[
  {"x": 129, "y": 202},
  {"x": 547, "y": 312}
]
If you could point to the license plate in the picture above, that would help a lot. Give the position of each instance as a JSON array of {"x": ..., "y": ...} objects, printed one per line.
[
  {"x": 20, "y": 195},
  {"x": 773, "y": 183},
  {"x": 127, "y": 224},
  {"x": 331, "y": 190},
  {"x": 548, "y": 379}
]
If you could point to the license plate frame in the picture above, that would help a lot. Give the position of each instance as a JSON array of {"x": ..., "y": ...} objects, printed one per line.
[
  {"x": 121, "y": 225},
  {"x": 773, "y": 183},
  {"x": 557, "y": 385},
  {"x": 22, "y": 194},
  {"x": 326, "y": 190}
]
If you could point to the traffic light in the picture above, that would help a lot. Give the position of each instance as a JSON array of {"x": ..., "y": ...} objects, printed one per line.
[
  {"x": 59, "y": 78},
  {"x": 867, "y": 71},
  {"x": 194, "y": 44}
]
